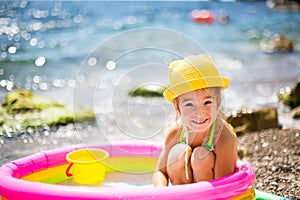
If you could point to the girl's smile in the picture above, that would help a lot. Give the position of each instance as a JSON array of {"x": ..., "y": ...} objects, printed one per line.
[{"x": 199, "y": 122}]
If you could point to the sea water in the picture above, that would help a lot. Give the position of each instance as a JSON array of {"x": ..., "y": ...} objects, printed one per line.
[{"x": 44, "y": 45}]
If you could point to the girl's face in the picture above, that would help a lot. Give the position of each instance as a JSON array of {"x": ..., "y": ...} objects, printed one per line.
[{"x": 198, "y": 109}]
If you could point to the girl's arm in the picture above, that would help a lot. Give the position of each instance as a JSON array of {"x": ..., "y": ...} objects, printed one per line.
[
  {"x": 160, "y": 176},
  {"x": 226, "y": 152}
]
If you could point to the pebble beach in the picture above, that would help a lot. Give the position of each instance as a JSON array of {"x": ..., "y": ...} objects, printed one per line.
[{"x": 275, "y": 156}]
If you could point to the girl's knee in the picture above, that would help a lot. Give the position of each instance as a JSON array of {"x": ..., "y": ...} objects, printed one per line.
[
  {"x": 178, "y": 154},
  {"x": 202, "y": 159},
  {"x": 178, "y": 164}
]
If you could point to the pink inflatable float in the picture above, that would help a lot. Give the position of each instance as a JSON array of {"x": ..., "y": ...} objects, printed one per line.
[
  {"x": 39, "y": 176},
  {"x": 203, "y": 16}
]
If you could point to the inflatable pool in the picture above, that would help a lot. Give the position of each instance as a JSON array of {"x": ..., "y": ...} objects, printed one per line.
[{"x": 39, "y": 176}]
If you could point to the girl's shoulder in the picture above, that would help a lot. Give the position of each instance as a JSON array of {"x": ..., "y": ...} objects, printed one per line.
[
  {"x": 173, "y": 133},
  {"x": 228, "y": 135}
]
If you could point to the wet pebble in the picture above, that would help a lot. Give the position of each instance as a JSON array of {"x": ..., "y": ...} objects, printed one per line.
[{"x": 274, "y": 183}]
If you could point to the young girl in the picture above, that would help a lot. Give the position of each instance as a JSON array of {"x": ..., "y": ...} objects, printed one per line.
[{"x": 199, "y": 146}]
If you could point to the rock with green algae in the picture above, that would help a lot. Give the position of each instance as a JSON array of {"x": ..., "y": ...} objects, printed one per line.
[
  {"x": 22, "y": 109},
  {"x": 22, "y": 101},
  {"x": 290, "y": 95},
  {"x": 148, "y": 91}
]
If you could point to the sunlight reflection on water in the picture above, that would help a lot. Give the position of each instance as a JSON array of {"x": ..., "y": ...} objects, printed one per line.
[{"x": 44, "y": 43}]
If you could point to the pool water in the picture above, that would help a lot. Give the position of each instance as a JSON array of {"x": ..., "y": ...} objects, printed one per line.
[{"x": 120, "y": 180}]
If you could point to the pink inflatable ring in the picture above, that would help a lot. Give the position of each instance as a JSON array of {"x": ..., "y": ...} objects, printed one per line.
[{"x": 38, "y": 176}]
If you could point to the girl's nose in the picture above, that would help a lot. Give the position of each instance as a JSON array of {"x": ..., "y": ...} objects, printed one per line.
[{"x": 197, "y": 110}]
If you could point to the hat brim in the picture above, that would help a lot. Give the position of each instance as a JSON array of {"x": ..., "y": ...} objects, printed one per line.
[{"x": 172, "y": 92}]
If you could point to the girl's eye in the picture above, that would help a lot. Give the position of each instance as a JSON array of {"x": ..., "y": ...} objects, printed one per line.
[
  {"x": 188, "y": 105},
  {"x": 207, "y": 102}
]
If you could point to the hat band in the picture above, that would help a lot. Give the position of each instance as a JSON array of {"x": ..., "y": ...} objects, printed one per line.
[{"x": 188, "y": 86}]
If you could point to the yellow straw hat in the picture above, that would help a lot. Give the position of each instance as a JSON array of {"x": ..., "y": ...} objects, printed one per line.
[{"x": 193, "y": 73}]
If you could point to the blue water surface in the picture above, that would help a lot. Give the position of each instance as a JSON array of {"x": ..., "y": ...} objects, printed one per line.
[{"x": 44, "y": 43}]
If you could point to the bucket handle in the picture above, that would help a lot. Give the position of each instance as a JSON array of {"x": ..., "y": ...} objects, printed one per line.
[{"x": 68, "y": 170}]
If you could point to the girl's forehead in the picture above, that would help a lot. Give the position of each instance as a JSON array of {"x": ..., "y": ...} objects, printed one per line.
[{"x": 196, "y": 94}]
